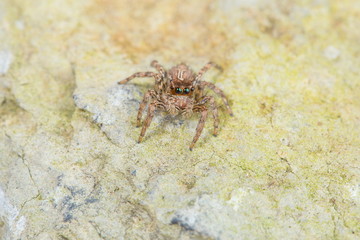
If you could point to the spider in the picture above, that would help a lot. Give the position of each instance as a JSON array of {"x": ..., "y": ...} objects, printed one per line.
[{"x": 179, "y": 91}]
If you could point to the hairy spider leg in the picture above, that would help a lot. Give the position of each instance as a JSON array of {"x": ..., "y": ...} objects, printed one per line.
[
  {"x": 150, "y": 114},
  {"x": 158, "y": 67},
  {"x": 149, "y": 117},
  {"x": 139, "y": 75},
  {"x": 214, "y": 109},
  {"x": 199, "y": 127},
  {"x": 147, "y": 96},
  {"x": 219, "y": 92},
  {"x": 161, "y": 83},
  {"x": 206, "y": 68}
]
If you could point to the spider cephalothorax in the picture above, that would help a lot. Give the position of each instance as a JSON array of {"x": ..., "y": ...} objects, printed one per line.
[
  {"x": 181, "y": 80},
  {"x": 179, "y": 91}
]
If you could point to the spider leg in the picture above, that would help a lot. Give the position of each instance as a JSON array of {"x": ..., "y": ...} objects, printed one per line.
[
  {"x": 161, "y": 81},
  {"x": 206, "y": 68},
  {"x": 158, "y": 67},
  {"x": 149, "y": 117},
  {"x": 139, "y": 74},
  {"x": 214, "y": 112},
  {"x": 147, "y": 96},
  {"x": 219, "y": 92},
  {"x": 199, "y": 127}
]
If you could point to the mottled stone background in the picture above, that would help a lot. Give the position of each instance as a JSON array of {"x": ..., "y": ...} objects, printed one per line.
[{"x": 287, "y": 166}]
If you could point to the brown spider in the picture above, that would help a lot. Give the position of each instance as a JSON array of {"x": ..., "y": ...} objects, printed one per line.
[{"x": 179, "y": 91}]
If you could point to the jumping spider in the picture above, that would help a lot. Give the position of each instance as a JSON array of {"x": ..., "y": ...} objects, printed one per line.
[{"x": 179, "y": 91}]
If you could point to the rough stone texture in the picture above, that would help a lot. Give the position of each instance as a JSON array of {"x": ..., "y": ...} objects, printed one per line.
[{"x": 287, "y": 166}]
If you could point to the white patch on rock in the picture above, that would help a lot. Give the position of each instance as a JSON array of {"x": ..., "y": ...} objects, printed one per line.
[
  {"x": 10, "y": 214},
  {"x": 19, "y": 24},
  {"x": 210, "y": 217},
  {"x": 111, "y": 108},
  {"x": 237, "y": 197},
  {"x": 331, "y": 53},
  {"x": 229, "y": 5},
  {"x": 6, "y": 58},
  {"x": 355, "y": 192}
]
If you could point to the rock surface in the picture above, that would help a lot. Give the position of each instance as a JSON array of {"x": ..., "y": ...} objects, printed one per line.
[{"x": 287, "y": 166}]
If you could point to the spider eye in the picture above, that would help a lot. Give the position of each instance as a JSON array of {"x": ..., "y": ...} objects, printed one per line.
[
  {"x": 186, "y": 90},
  {"x": 192, "y": 89},
  {"x": 178, "y": 90}
]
